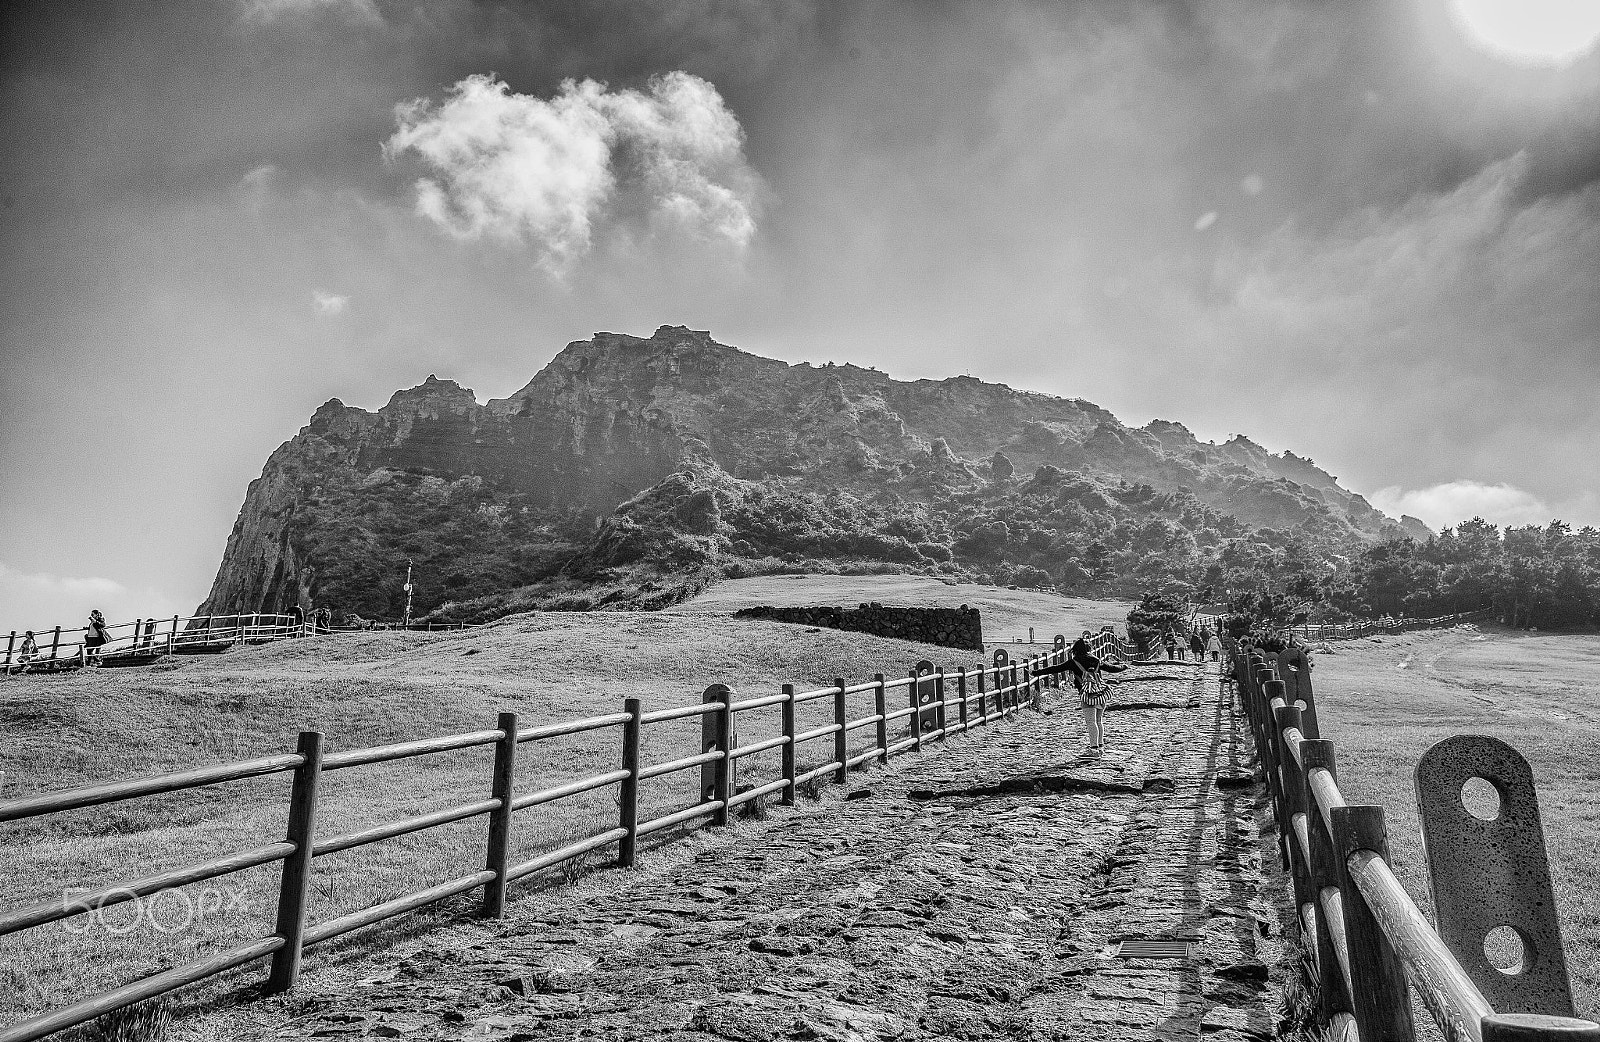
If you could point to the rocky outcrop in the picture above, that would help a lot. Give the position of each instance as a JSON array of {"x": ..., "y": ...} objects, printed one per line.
[
  {"x": 486, "y": 496},
  {"x": 950, "y": 627}
]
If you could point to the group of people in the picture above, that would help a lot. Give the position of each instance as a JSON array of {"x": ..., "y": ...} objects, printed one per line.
[
  {"x": 1199, "y": 642},
  {"x": 94, "y": 638}
]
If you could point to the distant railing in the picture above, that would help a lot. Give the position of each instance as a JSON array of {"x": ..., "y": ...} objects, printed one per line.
[
  {"x": 1370, "y": 944},
  {"x": 938, "y": 704},
  {"x": 129, "y": 643},
  {"x": 1386, "y": 624}
]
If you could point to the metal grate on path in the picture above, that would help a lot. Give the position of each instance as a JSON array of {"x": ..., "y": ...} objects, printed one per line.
[{"x": 1155, "y": 948}]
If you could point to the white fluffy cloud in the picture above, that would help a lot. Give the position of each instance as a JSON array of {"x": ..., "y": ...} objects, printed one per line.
[
  {"x": 329, "y": 303},
  {"x": 41, "y": 600},
  {"x": 267, "y": 12},
  {"x": 1452, "y": 502},
  {"x": 522, "y": 169}
]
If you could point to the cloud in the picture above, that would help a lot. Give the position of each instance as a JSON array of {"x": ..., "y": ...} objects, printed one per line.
[
  {"x": 1452, "y": 502},
  {"x": 268, "y": 12},
  {"x": 1205, "y": 220},
  {"x": 41, "y": 600},
  {"x": 526, "y": 170},
  {"x": 329, "y": 303}
]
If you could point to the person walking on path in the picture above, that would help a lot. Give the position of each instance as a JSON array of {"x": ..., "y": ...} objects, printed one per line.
[
  {"x": 1172, "y": 648},
  {"x": 25, "y": 654},
  {"x": 1214, "y": 645},
  {"x": 1198, "y": 646},
  {"x": 1092, "y": 697},
  {"x": 1086, "y": 668},
  {"x": 95, "y": 637}
]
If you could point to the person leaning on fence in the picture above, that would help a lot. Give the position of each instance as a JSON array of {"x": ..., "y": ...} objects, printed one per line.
[{"x": 95, "y": 636}]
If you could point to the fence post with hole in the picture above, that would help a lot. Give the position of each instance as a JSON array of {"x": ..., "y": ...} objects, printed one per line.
[
  {"x": 788, "y": 746},
  {"x": 880, "y": 707},
  {"x": 502, "y": 788},
  {"x": 628, "y": 792},
  {"x": 294, "y": 886},
  {"x": 841, "y": 743},
  {"x": 1377, "y": 974}
]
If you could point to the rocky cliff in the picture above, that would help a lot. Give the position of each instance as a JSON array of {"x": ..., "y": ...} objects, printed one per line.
[{"x": 487, "y": 498}]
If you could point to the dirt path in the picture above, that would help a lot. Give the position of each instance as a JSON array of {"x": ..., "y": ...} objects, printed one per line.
[{"x": 969, "y": 915}]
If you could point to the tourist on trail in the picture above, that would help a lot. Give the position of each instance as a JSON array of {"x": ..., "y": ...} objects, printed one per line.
[
  {"x": 1172, "y": 647},
  {"x": 95, "y": 637},
  {"x": 27, "y": 653},
  {"x": 1092, "y": 695},
  {"x": 1198, "y": 646},
  {"x": 1214, "y": 645}
]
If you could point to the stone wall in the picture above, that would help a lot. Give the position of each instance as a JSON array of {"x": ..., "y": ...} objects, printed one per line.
[{"x": 951, "y": 627}]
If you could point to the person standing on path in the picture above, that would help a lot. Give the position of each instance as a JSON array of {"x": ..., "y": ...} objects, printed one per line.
[
  {"x": 1092, "y": 696},
  {"x": 95, "y": 637},
  {"x": 1172, "y": 647},
  {"x": 1214, "y": 645},
  {"x": 1197, "y": 646}
]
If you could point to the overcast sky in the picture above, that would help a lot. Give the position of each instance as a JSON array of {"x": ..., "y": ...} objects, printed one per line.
[{"x": 1355, "y": 230}]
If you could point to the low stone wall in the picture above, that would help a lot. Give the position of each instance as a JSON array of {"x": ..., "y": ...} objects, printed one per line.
[{"x": 951, "y": 627}]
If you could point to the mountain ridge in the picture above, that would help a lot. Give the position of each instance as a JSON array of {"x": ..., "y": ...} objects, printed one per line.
[{"x": 518, "y": 487}]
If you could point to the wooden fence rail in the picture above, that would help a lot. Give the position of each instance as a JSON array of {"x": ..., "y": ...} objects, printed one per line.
[
  {"x": 981, "y": 696},
  {"x": 143, "y": 640},
  {"x": 1371, "y": 947}
]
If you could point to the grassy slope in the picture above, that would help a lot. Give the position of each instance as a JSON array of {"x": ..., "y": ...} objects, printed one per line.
[
  {"x": 363, "y": 689},
  {"x": 1384, "y": 702},
  {"x": 1006, "y": 613}
]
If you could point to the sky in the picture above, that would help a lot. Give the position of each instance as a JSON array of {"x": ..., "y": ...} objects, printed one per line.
[{"x": 1368, "y": 232}]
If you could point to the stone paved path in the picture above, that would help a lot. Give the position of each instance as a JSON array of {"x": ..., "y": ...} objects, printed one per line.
[{"x": 977, "y": 916}]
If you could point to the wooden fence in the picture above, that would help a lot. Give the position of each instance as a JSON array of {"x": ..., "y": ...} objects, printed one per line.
[
  {"x": 1370, "y": 945},
  {"x": 1388, "y": 624},
  {"x": 144, "y": 640},
  {"x": 938, "y": 704}
]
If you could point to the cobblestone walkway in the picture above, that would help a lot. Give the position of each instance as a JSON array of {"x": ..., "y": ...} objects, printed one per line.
[{"x": 968, "y": 913}]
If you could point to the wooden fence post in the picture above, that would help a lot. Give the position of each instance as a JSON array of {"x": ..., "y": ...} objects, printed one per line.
[
  {"x": 787, "y": 798},
  {"x": 961, "y": 696},
  {"x": 915, "y": 697},
  {"x": 11, "y": 646},
  {"x": 880, "y": 706},
  {"x": 983, "y": 696},
  {"x": 55, "y": 642},
  {"x": 841, "y": 746},
  {"x": 938, "y": 693},
  {"x": 294, "y": 887},
  {"x": 722, "y": 786},
  {"x": 628, "y": 791},
  {"x": 502, "y": 786},
  {"x": 1382, "y": 997}
]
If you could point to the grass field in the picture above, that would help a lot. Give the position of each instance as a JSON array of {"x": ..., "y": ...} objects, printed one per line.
[
  {"x": 1385, "y": 700},
  {"x": 364, "y": 689},
  {"x": 1006, "y": 613}
]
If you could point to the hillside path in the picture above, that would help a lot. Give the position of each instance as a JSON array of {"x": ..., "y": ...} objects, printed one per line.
[{"x": 987, "y": 915}]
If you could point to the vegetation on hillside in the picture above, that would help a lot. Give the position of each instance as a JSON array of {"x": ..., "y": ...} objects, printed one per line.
[{"x": 1532, "y": 576}]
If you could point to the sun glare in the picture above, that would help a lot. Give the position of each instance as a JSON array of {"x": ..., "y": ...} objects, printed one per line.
[{"x": 1531, "y": 31}]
